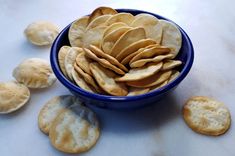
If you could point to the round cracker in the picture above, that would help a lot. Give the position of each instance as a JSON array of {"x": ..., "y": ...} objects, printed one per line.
[
  {"x": 34, "y": 73},
  {"x": 174, "y": 75},
  {"x": 137, "y": 91},
  {"x": 99, "y": 21},
  {"x": 150, "y": 24},
  {"x": 103, "y": 62},
  {"x": 171, "y": 36},
  {"x": 70, "y": 59},
  {"x": 206, "y": 116},
  {"x": 126, "y": 18},
  {"x": 151, "y": 52},
  {"x": 83, "y": 62},
  {"x": 129, "y": 37},
  {"x": 113, "y": 27},
  {"x": 86, "y": 77},
  {"x": 101, "y": 11},
  {"x": 13, "y": 96},
  {"x": 110, "y": 39},
  {"x": 75, "y": 130},
  {"x": 52, "y": 109},
  {"x": 150, "y": 81},
  {"x": 77, "y": 31},
  {"x": 98, "y": 52},
  {"x": 159, "y": 85},
  {"x": 78, "y": 79},
  {"x": 134, "y": 47},
  {"x": 142, "y": 62},
  {"x": 41, "y": 33},
  {"x": 170, "y": 64},
  {"x": 141, "y": 73},
  {"x": 128, "y": 58},
  {"x": 61, "y": 57},
  {"x": 105, "y": 79}
]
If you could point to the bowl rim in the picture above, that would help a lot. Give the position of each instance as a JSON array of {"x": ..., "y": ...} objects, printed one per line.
[{"x": 108, "y": 98}]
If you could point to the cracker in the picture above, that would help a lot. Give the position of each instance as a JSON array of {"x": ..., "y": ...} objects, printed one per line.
[
  {"x": 142, "y": 62},
  {"x": 109, "y": 40},
  {"x": 83, "y": 62},
  {"x": 129, "y": 37},
  {"x": 41, "y": 33},
  {"x": 206, "y": 116},
  {"x": 171, "y": 37},
  {"x": 98, "y": 21},
  {"x": 103, "y": 62},
  {"x": 174, "y": 75},
  {"x": 75, "y": 130},
  {"x": 134, "y": 47},
  {"x": 34, "y": 73},
  {"x": 170, "y": 64},
  {"x": 126, "y": 18},
  {"x": 150, "y": 24},
  {"x": 77, "y": 31},
  {"x": 141, "y": 73},
  {"x": 113, "y": 27},
  {"x": 105, "y": 79},
  {"x": 86, "y": 77},
  {"x": 101, "y": 11},
  {"x": 150, "y": 81},
  {"x": 52, "y": 109},
  {"x": 159, "y": 85},
  {"x": 98, "y": 52},
  {"x": 61, "y": 57},
  {"x": 78, "y": 79},
  {"x": 137, "y": 91},
  {"x": 13, "y": 96},
  {"x": 151, "y": 52},
  {"x": 70, "y": 59}
]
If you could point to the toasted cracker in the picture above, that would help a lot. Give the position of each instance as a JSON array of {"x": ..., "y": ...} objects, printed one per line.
[
  {"x": 110, "y": 39},
  {"x": 151, "y": 52},
  {"x": 83, "y": 62},
  {"x": 126, "y": 18},
  {"x": 61, "y": 57},
  {"x": 78, "y": 79},
  {"x": 150, "y": 81},
  {"x": 141, "y": 73},
  {"x": 170, "y": 64},
  {"x": 86, "y": 77},
  {"x": 101, "y": 11},
  {"x": 171, "y": 36},
  {"x": 41, "y": 33},
  {"x": 75, "y": 130},
  {"x": 52, "y": 109},
  {"x": 70, "y": 59},
  {"x": 13, "y": 96},
  {"x": 34, "y": 73},
  {"x": 113, "y": 27},
  {"x": 150, "y": 24},
  {"x": 137, "y": 91},
  {"x": 174, "y": 75},
  {"x": 158, "y": 86},
  {"x": 98, "y": 21},
  {"x": 206, "y": 116},
  {"x": 142, "y": 62},
  {"x": 129, "y": 37},
  {"x": 77, "y": 31},
  {"x": 98, "y": 52},
  {"x": 134, "y": 47},
  {"x": 105, "y": 79},
  {"x": 103, "y": 62}
]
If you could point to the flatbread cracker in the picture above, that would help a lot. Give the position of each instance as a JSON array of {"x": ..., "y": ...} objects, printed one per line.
[
  {"x": 34, "y": 73},
  {"x": 126, "y": 18},
  {"x": 83, "y": 62},
  {"x": 113, "y": 27},
  {"x": 137, "y": 91},
  {"x": 170, "y": 64},
  {"x": 206, "y": 116},
  {"x": 75, "y": 130},
  {"x": 61, "y": 57},
  {"x": 98, "y": 21},
  {"x": 13, "y": 96}
]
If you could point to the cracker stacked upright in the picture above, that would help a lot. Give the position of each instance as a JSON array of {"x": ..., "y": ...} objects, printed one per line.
[{"x": 121, "y": 54}]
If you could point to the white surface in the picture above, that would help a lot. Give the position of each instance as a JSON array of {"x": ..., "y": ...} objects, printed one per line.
[{"x": 154, "y": 131}]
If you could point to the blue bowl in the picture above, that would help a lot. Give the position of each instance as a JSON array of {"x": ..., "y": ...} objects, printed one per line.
[{"x": 186, "y": 55}]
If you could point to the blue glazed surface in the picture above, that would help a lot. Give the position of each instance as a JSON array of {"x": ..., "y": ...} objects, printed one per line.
[{"x": 186, "y": 55}]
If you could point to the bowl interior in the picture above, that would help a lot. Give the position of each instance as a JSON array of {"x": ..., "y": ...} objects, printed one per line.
[{"x": 186, "y": 55}]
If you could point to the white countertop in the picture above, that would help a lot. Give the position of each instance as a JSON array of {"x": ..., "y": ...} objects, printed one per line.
[{"x": 154, "y": 131}]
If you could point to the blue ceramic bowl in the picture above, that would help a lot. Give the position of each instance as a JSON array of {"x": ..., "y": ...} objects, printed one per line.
[{"x": 186, "y": 55}]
